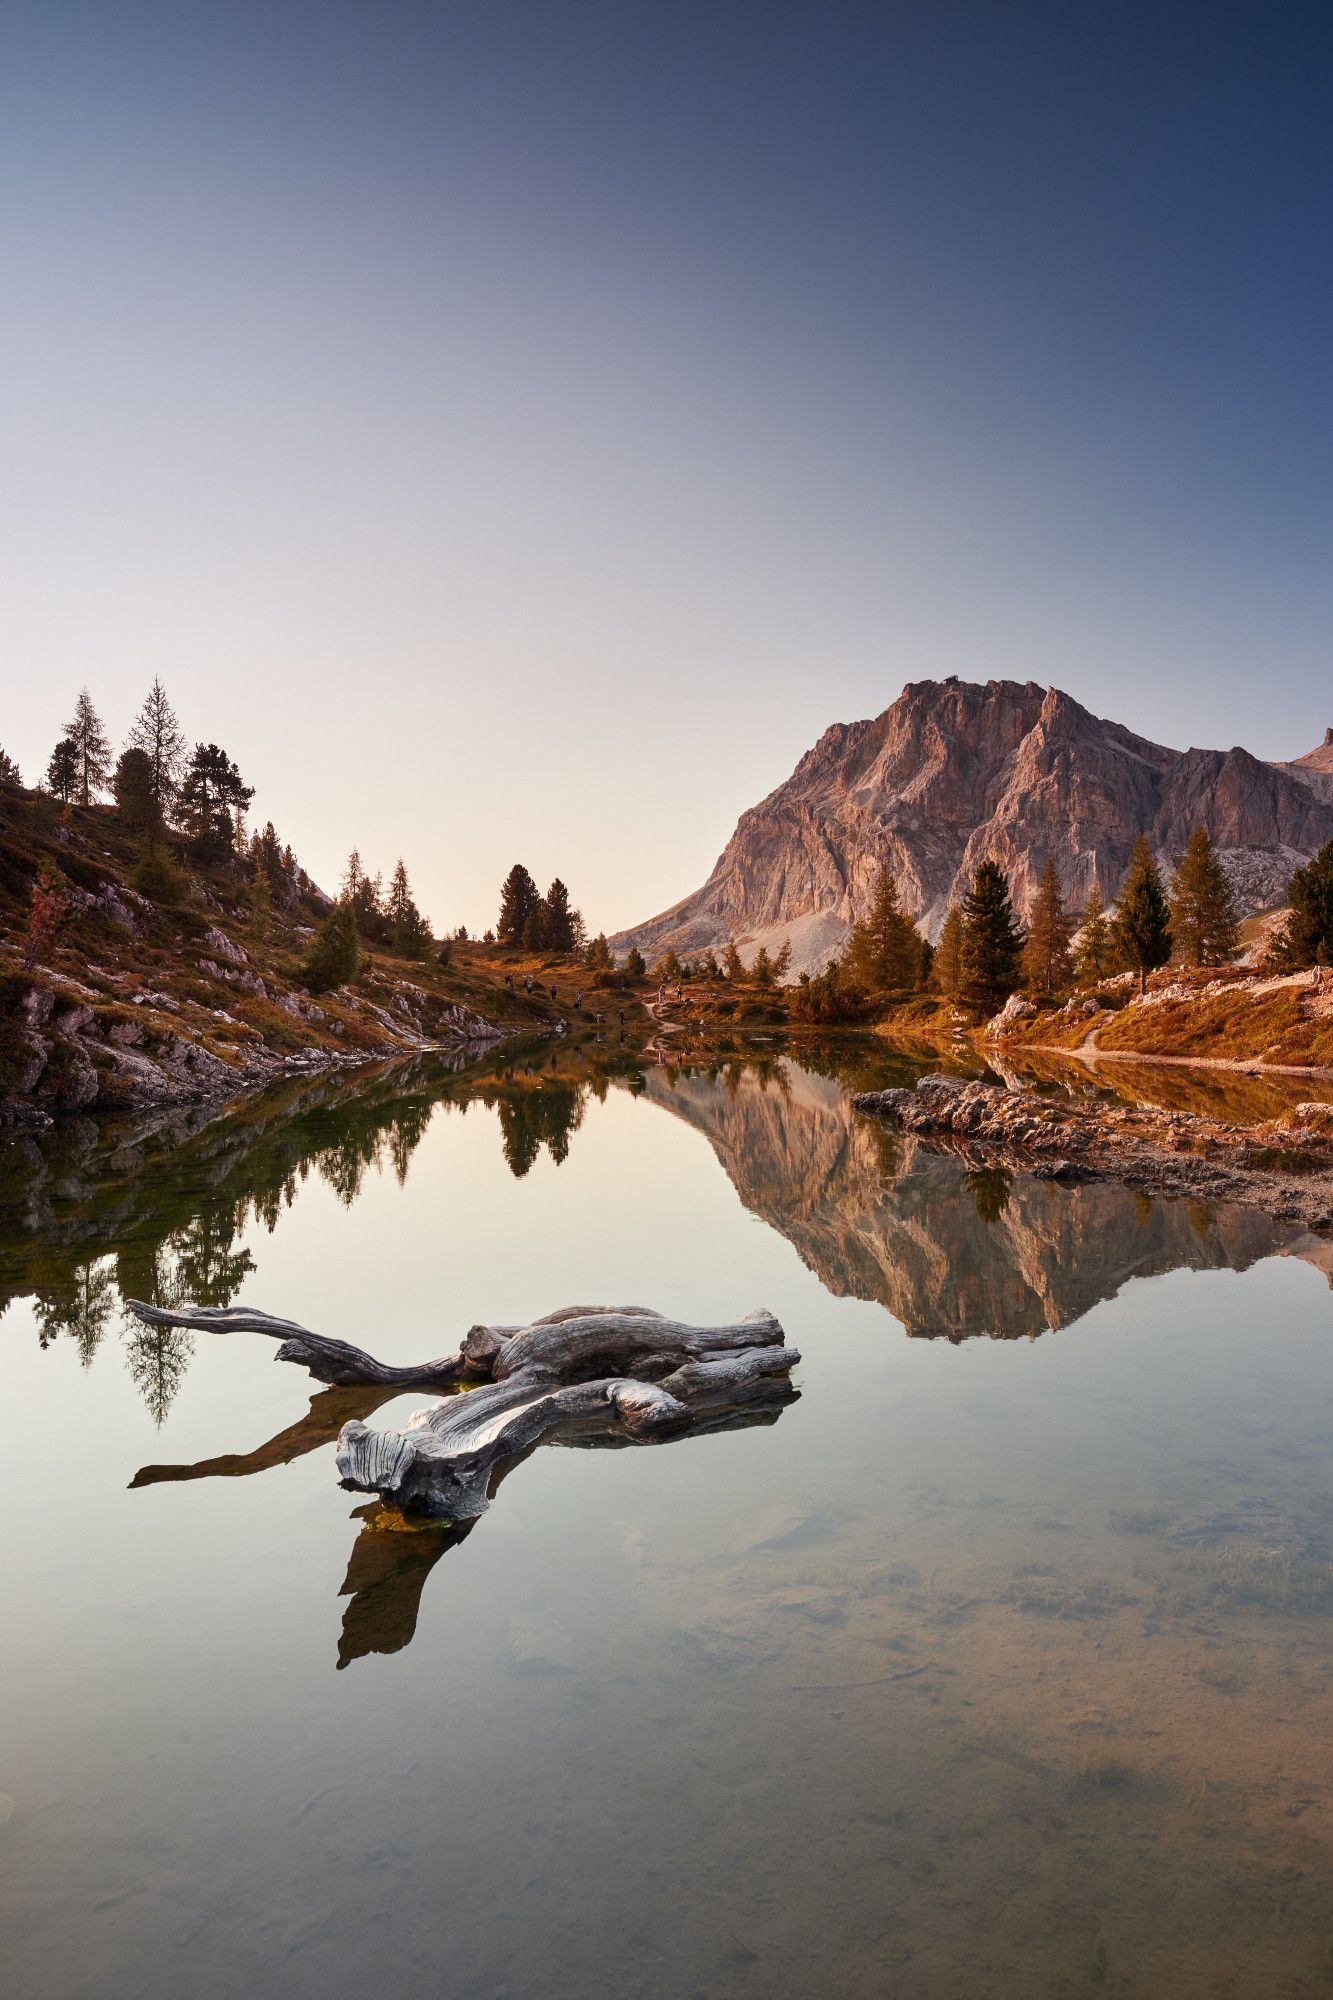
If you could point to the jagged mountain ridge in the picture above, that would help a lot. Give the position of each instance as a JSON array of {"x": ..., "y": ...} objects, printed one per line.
[{"x": 955, "y": 773}]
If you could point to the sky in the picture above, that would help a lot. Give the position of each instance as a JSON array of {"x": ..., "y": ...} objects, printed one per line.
[{"x": 516, "y": 431}]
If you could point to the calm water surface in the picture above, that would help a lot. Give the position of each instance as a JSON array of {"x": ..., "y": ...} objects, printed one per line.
[{"x": 998, "y": 1664}]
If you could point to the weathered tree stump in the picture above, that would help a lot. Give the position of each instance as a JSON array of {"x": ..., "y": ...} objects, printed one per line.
[{"x": 583, "y": 1375}]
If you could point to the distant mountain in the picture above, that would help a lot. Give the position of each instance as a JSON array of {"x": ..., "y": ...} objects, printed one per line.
[{"x": 954, "y": 774}]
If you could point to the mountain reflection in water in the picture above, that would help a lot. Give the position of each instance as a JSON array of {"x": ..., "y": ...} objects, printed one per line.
[
  {"x": 998, "y": 1668},
  {"x": 950, "y": 1251},
  {"x": 159, "y": 1208}
]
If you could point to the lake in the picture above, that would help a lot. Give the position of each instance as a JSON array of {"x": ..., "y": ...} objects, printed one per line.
[{"x": 998, "y": 1663}]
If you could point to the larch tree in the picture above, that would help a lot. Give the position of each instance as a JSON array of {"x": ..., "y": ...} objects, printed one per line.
[
  {"x": 884, "y": 952},
  {"x": 1094, "y": 954},
  {"x": 47, "y": 911},
  {"x": 1204, "y": 923},
  {"x": 261, "y": 900},
  {"x": 156, "y": 732},
  {"x": 992, "y": 949},
  {"x": 91, "y": 747},
  {"x": 597, "y": 956},
  {"x": 1141, "y": 929},
  {"x": 733, "y": 965},
  {"x": 1046, "y": 958},
  {"x": 946, "y": 972}
]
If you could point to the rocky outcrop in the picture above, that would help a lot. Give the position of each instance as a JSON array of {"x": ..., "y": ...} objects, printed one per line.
[
  {"x": 954, "y": 774},
  {"x": 60, "y": 1055}
]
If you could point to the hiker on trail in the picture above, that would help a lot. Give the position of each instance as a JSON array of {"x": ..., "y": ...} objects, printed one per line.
[
  {"x": 578, "y": 999},
  {"x": 554, "y": 994},
  {"x": 528, "y": 982},
  {"x": 622, "y": 1017}
]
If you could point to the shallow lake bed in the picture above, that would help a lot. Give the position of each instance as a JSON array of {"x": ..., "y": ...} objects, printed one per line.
[{"x": 998, "y": 1663}]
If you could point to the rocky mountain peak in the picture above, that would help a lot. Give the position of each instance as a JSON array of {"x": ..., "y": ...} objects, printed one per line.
[{"x": 958, "y": 772}]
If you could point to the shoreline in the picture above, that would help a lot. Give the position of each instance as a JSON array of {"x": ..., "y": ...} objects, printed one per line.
[{"x": 1090, "y": 1055}]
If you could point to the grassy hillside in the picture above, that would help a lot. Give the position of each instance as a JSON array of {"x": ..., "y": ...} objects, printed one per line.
[
  {"x": 189, "y": 991},
  {"x": 1285, "y": 1022}
]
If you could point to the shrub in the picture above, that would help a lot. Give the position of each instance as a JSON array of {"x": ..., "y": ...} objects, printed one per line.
[{"x": 155, "y": 878}]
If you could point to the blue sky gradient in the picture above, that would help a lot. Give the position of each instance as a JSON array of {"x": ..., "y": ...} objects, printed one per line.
[{"x": 519, "y": 430}]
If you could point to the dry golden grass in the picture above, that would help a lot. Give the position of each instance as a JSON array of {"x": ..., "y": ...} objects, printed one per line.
[{"x": 1273, "y": 1026}]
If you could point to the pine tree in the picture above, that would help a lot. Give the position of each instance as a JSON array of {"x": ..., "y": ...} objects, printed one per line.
[
  {"x": 407, "y": 927},
  {"x": 334, "y": 953},
  {"x": 1308, "y": 939},
  {"x": 1094, "y": 956},
  {"x": 269, "y": 855},
  {"x": 518, "y": 899},
  {"x": 762, "y": 970},
  {"x": 366, "y": 899},
  {"x": 884, "y": 952},
  {"x": 534, "y": 930},
  {"x": 11, "y": 777},
  {"x": 733, "y": 965},
  {"x": 62, "y": 773},
  {"x": 211, "y": 794},
  {"x": 1204, "y": 923},
  {"x": 634, "y": 964},
  {"x": 992, "y": 948},
  {"x": 1046, "y": 959},
  {"x": 1141, "y": 929},
  {"x": 91, "y": 747},
  {"x": 156, "y": 732},
  {"x": 946, "y": 972},
  {"x": 558, "y": 918},
  {"x": 132, "y": 788}
]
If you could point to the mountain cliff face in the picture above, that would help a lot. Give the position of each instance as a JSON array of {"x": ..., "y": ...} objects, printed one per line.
[{"x": 954, "y": 774}]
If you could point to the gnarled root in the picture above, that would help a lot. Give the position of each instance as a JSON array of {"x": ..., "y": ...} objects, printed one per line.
[{"x": 583, "y": 1375}]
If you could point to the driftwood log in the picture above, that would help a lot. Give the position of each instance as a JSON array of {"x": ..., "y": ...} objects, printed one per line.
[{"x": 585, "y": 1375}]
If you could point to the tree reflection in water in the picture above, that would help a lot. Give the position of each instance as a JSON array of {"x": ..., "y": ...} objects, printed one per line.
[{"x": 164, "y": 1208}]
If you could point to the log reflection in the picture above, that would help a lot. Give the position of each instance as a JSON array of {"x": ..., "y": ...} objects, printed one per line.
[{"x": 393, "y": 1554}]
